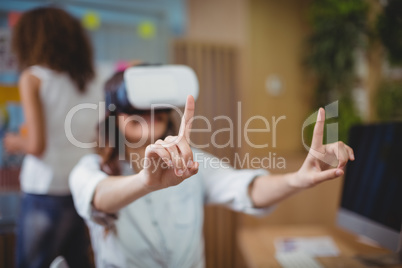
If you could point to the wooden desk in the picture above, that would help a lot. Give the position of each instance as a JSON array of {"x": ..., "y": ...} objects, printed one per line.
[{"x": 257, "y": 245}]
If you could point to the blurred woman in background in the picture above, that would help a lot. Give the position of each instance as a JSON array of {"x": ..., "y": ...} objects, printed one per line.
[{"x": 56, "y": 59}]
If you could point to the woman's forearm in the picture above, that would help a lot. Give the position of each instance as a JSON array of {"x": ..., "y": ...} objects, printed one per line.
[
  {"x": 270, "y": 189},
  {"x": 15, "y": 143},
  {"x": 114, "y": 193}
]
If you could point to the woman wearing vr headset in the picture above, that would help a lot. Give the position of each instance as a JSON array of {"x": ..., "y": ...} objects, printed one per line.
[{"x": 151, "y": 215}]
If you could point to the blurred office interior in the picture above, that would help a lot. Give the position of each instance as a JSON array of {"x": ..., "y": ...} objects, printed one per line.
[{"x": 275, "y": 59}]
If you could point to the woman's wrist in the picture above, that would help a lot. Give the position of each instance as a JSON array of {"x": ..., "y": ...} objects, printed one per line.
[
  {"x": 293, "y": 180},
  {"x": 144, "y": 184}
]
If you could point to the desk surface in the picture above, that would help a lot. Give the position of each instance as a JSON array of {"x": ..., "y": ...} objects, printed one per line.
[{"x": 257, "y": 245}]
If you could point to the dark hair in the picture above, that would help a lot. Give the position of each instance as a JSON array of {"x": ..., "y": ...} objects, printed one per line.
[
  {"x": 51, "y": 37},
  {"x": 110, "y": 153}
]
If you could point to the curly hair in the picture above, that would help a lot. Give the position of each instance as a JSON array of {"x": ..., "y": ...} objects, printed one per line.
[{"x": 51, "y": 37}]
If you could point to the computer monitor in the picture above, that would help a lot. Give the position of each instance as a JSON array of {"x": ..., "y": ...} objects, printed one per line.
[{"x": 371, "y": 203}]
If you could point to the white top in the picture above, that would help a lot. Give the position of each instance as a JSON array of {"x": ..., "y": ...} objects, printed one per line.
[
  {"x": 163, "y": 228},
  {"x": 58, "y": 94}
]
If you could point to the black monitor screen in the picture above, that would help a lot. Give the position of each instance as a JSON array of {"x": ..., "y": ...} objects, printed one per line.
[{"x": 373, "y": 182}]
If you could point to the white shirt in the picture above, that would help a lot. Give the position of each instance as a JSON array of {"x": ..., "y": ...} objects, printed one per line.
[
  {"x": 163, "y": 228},
  {"x": 49, "y": 173}
]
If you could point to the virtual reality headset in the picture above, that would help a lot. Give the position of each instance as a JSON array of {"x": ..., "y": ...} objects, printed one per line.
[{"x": 158, "y": 87}]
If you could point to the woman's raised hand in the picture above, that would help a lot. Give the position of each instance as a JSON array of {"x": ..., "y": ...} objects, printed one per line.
[
  {"x": 170, "y": 161},
  {"x": 324, "y": 161}
]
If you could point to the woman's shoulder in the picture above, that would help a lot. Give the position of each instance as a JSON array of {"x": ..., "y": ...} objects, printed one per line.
[
  {"x": 40, "y": 71},
  {"x": 28, "y": 82},
  {"x": 90, "y": 159},
  {"x": 88, "y": 164},
  {"x": 45, "y": 73},
  {"x": 29, "y": 75}
]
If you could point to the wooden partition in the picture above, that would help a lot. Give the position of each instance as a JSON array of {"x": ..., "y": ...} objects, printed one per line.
[
  {"x": 7, "y": 246},
  {"x": 216, "y": 67}
]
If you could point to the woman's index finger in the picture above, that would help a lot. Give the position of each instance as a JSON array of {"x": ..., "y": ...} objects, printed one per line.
[
  {"x": 318, "y": 133},
  {"x": 187, "y": 120}
]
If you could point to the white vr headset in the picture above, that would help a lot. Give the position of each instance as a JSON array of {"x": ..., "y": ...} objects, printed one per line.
[{"x": 153, "y": 86}]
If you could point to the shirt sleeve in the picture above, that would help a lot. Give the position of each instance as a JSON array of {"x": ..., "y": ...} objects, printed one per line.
[
  {"x": 83, "y": 181},
  {"x": 227, "y": 186}
]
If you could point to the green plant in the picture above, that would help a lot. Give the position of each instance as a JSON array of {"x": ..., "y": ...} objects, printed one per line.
[
  {"x": 389, "y": 27},
  {"x": 339, "y": 29},
  {"x": 389, "y": 100}
]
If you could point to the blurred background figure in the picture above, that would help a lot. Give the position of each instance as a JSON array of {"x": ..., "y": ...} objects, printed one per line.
[
  {"x": 278, "y": 58},
  {"x": 55, "y": 55}
]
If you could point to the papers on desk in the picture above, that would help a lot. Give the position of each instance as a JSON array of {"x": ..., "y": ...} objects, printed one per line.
[{"x": 318, "y": 246}]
